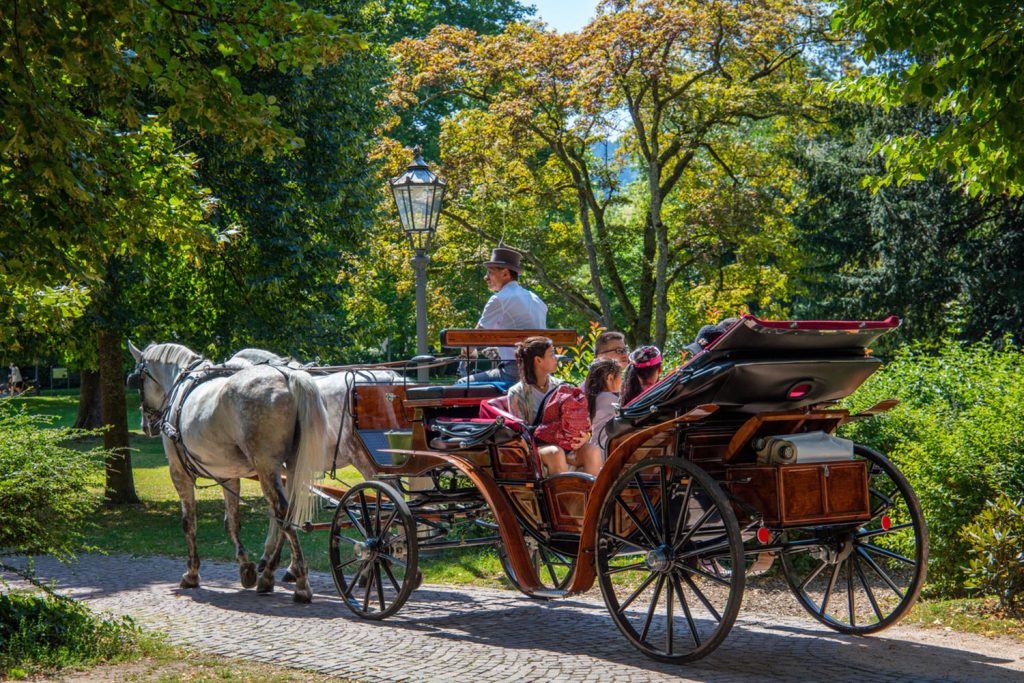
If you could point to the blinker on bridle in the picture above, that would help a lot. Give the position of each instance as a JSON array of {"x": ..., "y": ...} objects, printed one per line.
[{"x": 136, "y": 380}]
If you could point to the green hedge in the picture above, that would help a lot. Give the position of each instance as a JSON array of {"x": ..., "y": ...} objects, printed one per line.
[{"x": 958, "y": 436}]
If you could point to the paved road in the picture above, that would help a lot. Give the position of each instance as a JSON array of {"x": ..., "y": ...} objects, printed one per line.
[{"x": 472, "y": 634}]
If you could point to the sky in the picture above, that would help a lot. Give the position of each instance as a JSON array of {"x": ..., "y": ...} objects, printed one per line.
[{"x": 564, "y": 15}]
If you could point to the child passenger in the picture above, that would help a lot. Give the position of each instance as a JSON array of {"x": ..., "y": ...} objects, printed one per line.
[
  {"x": 642, "y": 373},
  {"x": 536, "y": 359},
  {"x": 604, "y": 381}
]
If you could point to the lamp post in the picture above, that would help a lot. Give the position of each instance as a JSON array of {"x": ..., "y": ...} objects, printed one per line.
[{"x": 418, "y": 194}]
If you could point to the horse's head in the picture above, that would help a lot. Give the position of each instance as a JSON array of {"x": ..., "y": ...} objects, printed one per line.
[{"x": 152, "y": 394}]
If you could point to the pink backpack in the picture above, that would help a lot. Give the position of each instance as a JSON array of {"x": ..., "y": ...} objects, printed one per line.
[{"x": 564, "y": 417}]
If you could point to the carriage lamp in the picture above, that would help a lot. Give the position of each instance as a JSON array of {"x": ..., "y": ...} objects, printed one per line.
[{"x": 418, "y": 194}]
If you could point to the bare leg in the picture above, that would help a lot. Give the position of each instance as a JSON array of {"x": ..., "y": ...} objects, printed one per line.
[
  {"x": 185, "y": 486},
  {"x": 233, "y": 525},
  {"x": 553, "y": 458},
  {"x": 588, "y": 459}
]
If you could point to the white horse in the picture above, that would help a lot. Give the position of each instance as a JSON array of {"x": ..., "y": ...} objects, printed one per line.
[{"x": 230, "y": 423}]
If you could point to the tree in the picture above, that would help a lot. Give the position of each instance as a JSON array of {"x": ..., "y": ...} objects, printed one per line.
[
  {"x": 91, "y": 171},
  {"x": 683, "y": 76},
  {"x": 960, "y": 60}
]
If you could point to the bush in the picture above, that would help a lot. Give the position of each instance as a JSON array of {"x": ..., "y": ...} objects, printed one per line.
[
  {"x": 45, "y": 494},
  {"x": 51, "y": 632},
  {"x": 996, "y": 567},
  {"x": 956, "y": 435}
]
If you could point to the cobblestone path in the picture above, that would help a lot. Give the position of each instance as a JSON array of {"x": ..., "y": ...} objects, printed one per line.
[{"x": 473, "y": 634}]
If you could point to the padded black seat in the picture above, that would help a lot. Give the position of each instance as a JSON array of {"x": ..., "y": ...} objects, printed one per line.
[{"x": 481, "y": 391}]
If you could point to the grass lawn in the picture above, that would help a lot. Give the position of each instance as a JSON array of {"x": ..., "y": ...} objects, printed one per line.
[{"x": 154, "y": 527}]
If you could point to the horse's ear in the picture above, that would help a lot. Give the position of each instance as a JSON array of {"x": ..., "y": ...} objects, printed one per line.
[{"x": 136, "y": 354}]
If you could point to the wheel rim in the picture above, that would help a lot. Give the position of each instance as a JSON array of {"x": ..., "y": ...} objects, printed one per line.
[
  {"x": 373, "y": 560},
  {"x": 663, "y": 529},
  {"x": 864, "y": 578}
]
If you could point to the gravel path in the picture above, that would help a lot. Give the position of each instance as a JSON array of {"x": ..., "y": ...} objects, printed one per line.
[{"x": 477, "y": 634}]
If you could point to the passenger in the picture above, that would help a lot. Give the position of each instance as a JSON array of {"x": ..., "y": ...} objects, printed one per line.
[
  {"x": 642, "y": 373},
  {"x": 604, "y": 382},
  {"x": 537, "y": 361},
  {"x": 612, "y": 344}
]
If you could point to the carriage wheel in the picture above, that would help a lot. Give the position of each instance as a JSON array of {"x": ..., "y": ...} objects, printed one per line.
[
  {"x": 373, "y": 550},
  {"x": 554, "y": 569},
  {"x": 663, "y": 531},
  {"x": 863, "y": 579}
]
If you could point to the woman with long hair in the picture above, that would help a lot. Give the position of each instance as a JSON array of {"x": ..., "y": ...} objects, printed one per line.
[
  {"x": 536, "y": 359},
  {"x": 642, "y": 373}
]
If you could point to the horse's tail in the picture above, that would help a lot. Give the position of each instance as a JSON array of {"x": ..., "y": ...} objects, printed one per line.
[{"x": 312, "y": 425}]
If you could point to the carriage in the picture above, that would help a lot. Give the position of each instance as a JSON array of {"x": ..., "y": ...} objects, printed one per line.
[{"x": 726, "y": 465}]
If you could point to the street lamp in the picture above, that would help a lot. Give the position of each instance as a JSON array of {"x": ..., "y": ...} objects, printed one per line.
[{"x": 418, "y": 194}]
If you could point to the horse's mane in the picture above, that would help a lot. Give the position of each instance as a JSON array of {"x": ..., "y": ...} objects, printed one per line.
[{"x": 173, "y": 354}]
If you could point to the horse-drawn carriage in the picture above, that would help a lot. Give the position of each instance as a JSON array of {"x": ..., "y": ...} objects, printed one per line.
[
  {"x": 728, "y": 459},
  {"x": 726, "y": 464}
]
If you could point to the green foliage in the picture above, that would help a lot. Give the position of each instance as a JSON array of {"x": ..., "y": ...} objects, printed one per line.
[
  {"x": 996, "y": 565},
  {"x": 956, "y": 435},
  {"x": 575, "y": 367},
  {"x": 958, "y": 59},
  {"x": 39, "y": 633},
  {"x": 945, "y": 263},
  {"x": 47, "y": 489}
]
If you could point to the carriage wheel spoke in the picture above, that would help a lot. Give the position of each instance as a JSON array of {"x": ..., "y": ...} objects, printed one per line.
[
  {"x": 364, "y": 509},
  {"x": 356, "y": 523},
  {"x": 392, "y": 559},
  {"x": 828, "y": 589},
  {"x": 376, "y": 517},
  {"x": 388, "y": 522},
  {"x": 686, "y": 610},
  {"x": 668, "y": 617},
  {"x": 664, "y": 506},
  {"x": 849, "y": 590},
  {"x": 349, "y": 539},
  {"x": 681, "y": 517},
  {"x": 652, "y": 608},
  {"x": 887, "y": 553},
  {"x": 355, "y": 580},
  {"x": 369, "y": 587},
  {"x": 705, "y": 551},
  {"x": 706, "y": 575},
  {"x": 550, "y": 565},
  {"x": 624, "y": 541},
  {"x": 703, "y": 598},
  {"x": 886, "y": 503},
  {"x": 651, "y": 514},
  {"x": 345, "y": 564},
  {"x": 626, "y": 568},
  {"x": 700, "y": 522},
  {"x": 878, "y": 570},
  {"x": 391, "y": 576},
  {"x": 633, "y": 596},
  {"x": 636, "y": 521},
  {"x": 867, "y": 589},
  {"x": 380, "y": 586},
  {"x": 813, "y": 575}
]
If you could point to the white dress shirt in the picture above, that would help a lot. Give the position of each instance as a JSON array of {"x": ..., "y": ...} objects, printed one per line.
[{"x": 514, "y": 307}]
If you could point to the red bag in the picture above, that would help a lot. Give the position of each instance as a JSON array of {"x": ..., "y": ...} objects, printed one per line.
[{"x": 564, "y": 417}]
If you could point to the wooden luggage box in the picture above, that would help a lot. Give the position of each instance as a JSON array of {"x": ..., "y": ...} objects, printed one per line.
[{"x": 801, "y": 494}]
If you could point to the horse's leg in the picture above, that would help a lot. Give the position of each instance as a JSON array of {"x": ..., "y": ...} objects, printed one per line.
[
  {"x": 273, "y": 533},
  {"x": 272, "y": 546},
  {"x": 233, "y": 525},
  {"x": 184, "y": 484},
  {"x": 273, "y": 490}
]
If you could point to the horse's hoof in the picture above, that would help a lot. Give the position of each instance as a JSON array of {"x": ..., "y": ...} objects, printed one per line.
[
  {"x": 247, "y": 574},
  {"x": 265, "y": 584},
  {"x": 288, "y": 577},
  {"x": 303, "y": 597},
  {"x": 189, "y": 581}
]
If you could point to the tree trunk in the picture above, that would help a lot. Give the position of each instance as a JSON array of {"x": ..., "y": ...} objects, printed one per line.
[
  {"x": 120, "y": 483},
  {"x": 90, "y": 415}
]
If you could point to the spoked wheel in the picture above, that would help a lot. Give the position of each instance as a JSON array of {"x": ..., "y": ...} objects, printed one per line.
[
  {"x": 862, "y": 579},
  {"x": 373, "y": 550},
  {"x": 554, "y": 569},
  {"x": 664, "y": 531}
]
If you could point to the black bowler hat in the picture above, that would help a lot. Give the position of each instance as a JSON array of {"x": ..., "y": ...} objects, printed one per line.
[{"x": 502, "y": 257}]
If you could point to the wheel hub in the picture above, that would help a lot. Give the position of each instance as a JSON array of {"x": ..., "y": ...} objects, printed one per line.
[{"x": 660, "y": 559}]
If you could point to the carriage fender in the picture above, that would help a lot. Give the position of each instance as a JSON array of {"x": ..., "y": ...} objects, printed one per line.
[
  {"x": 613, "y": 466},
  {"x": 508, "y": 523}
]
